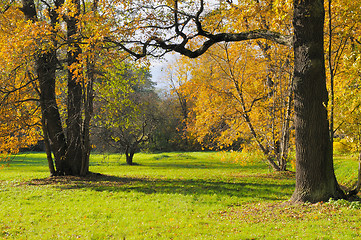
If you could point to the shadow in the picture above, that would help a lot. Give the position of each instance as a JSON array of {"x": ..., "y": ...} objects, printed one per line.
[
  {"x": 243, "y": 188},
  {"x": 28, "y": 159}
]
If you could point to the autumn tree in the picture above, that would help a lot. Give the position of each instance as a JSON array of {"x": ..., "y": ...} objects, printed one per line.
[
  {"x": 236, "y": 98},
  {"x": 177, "y": 76},
  {"x": 58, "y": 39},
  {"x": 343, "y": 57},
  {"x": 191, "y": 31},
  {"x": 19, "y": 118}
]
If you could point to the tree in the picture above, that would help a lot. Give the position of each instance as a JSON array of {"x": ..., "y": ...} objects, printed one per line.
[
  {"x": 170, "y": 133},
  {"x": 56, "y": 39},
  {"x": 241, "y": 98},
  {"x": 126, "y": 108},
  {"x": 343, "y": 71},
  {"x": 178, "y": 76},
  {"x": 19, "y": 119},
  {"x": 315, "y": 178}
]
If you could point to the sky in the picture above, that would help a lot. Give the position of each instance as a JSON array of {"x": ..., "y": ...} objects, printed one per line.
[{"x": 158, "y": 70}]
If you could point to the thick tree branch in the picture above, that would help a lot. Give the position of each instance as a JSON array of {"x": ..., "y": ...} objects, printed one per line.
[{"x": 286, "y": 40}]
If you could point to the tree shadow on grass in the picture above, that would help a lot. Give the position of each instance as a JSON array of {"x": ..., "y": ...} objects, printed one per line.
[{"x": 261, "y": 186}]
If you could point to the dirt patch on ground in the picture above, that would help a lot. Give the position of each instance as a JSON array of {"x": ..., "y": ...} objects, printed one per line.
[{"x": 92, "y": 179}]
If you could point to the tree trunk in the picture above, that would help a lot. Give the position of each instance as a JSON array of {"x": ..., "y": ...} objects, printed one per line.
[
  {"x": 74, "y": 156},
  {"x": 48, "y": 148},
  {"x": 45, "y": 69},
  {"x": 315, "y": 178},
  {"x": 88, "y": 97},
  {"x": 129, "y": 154},
  {"x": 71, "y": 152},
  {"x": 285, "y": 138}
]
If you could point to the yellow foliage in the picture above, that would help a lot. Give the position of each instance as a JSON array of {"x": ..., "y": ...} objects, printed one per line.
[
  {"x": 345, "y": 58},
  {"x": 228, "y": 92},
  {"x": 243, "y": 158},
  {"x": 342, "y": 146},
  {"x": 19, "y": 111}
]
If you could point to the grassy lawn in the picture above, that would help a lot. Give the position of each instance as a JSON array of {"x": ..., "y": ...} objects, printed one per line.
[{"x": 167, "y": 196}]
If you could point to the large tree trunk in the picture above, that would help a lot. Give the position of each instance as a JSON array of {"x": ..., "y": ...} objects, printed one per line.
[
  {"x": 45, "y": 69},
  {"x": 74, "y": 121},
  {"x": 315, "y": 178},
  {"x": 46, "y": 65}
]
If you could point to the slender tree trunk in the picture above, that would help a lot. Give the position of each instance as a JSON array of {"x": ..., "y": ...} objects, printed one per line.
[
  {"x": 88, "y": 97},
  {"x": 315, "y": 178},
  {"x": 331, "y": 70},
  {"x": 285, "y": 138},
  {"x": 88, "y": 112}
]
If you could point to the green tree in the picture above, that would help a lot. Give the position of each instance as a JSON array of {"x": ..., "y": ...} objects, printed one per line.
[
  {"x": 126, "y": 109},
  {"x": 170, "y": 133}
]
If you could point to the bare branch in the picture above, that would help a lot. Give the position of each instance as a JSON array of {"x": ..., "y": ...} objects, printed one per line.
[{"x": 7, "y": 7}]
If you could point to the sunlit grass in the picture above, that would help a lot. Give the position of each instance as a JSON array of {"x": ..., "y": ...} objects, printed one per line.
[
  {"x": 166, "y": 196},
  {"x": 346, "y": 168}
]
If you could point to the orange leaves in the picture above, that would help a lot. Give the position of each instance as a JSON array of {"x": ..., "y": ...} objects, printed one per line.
[
  {"x": 19, "y": 115},
  {"x": 18, "y": 125}
]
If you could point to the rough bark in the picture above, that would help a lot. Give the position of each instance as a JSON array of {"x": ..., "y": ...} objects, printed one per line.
[
  {"x": 315, "y": 178},
  {"x": 48, "y": 148},
  {"x": 74, "y": 121},
  {"x": 50, "y": 113},
  {"x": 46, "y": 63}
]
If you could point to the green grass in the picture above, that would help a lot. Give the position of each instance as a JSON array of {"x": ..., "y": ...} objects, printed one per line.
[{"x": 167, "y": 196}]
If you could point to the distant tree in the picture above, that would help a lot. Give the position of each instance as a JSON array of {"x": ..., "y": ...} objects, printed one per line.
[
  {"x": 126, "y": 109},
  {"x": 240, "y": 98},
  {"x": 169, "y": 134}
]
